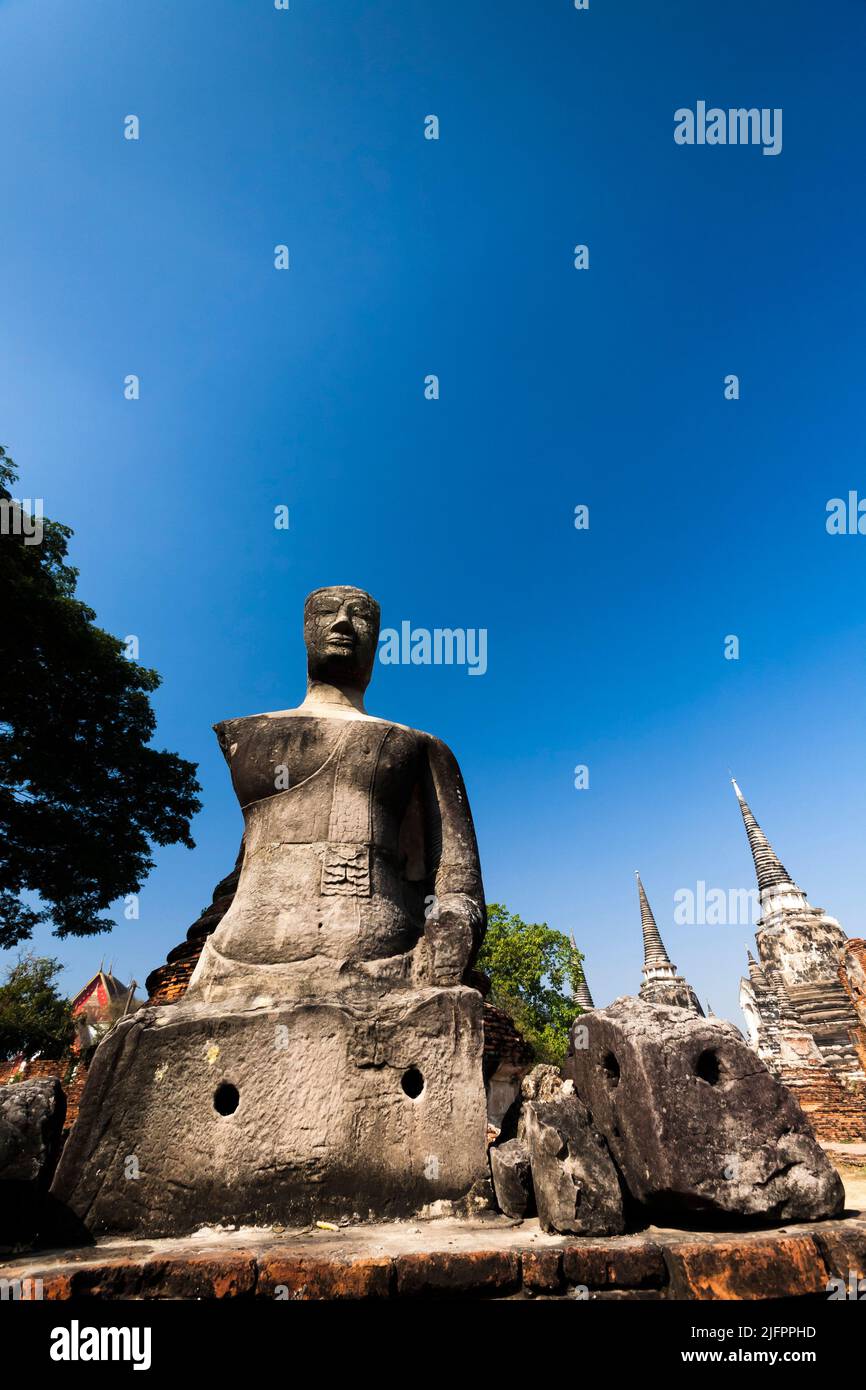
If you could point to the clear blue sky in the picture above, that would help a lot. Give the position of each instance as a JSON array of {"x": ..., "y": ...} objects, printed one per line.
[{"x": 558, "y": 387}]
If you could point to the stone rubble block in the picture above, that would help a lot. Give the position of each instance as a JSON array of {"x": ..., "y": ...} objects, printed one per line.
[
  {"x": 512, "y": 1178},
  {"x": 31, "y": 1128},
  {"x": 695, "y": 1122},
  {"x": 31, "y": 1123},
  {"x": 576, "y": 1185}
]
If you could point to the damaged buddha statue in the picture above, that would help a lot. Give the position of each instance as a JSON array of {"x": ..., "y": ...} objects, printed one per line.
[
  {"x": 326, "y": 1060},
  {"x": 360, "y": 866}
]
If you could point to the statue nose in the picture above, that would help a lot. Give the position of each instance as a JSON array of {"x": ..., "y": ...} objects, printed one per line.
[{"x": 343, "y": 624}]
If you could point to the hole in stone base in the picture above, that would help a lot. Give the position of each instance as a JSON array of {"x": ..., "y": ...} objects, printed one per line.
[
  {"x": 610, "y": 1067},
  {"x": 707, "y": 1067},
  {"x": 412, "y": 1082},
  {"x": 226, "y": 1099}
]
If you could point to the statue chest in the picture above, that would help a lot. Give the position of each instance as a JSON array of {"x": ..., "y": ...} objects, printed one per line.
[{"x": 319, "y": 779}]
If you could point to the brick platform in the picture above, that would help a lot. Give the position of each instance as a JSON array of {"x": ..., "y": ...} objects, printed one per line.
[{"x": 486, "y": 1258}]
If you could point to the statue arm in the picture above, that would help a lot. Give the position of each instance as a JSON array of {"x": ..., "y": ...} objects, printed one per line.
[{"x": 455, "y": 922}]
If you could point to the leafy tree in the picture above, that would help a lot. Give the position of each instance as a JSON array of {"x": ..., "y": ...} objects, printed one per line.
[
  {"x": 33, "y": 1016},
  {"x": 82, "y": 795},
  {"x": 532, "y": 969}
]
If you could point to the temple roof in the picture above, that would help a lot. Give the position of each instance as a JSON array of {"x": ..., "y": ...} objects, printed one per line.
[{"x": 114, "y": 989}]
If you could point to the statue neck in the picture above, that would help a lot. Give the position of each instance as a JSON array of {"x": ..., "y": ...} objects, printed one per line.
[{"x": 328, "y": 699}]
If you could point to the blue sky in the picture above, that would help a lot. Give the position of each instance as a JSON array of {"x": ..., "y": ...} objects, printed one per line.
[{"x": 558, "y": 387}]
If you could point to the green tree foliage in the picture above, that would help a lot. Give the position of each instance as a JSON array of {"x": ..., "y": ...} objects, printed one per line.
[
  {"x": 82, "y": 795},
  {"x": 33, "y": 1016},
  {"x": 532, "y": 971}
]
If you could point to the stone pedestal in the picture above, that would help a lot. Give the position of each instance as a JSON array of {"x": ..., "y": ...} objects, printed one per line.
[{"x": 200, "y": 1114}]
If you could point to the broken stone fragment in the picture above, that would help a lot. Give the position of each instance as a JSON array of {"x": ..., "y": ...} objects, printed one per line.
[
  {"x": 31, "y": 1126},
  {"x": 544, "y": 1082},
  {"x": 694, "y": 1120},
  {"x": 31, "y": 1123},
  {"x": 576, "y": 1185},
  {"x": 512, "y": 1179}
]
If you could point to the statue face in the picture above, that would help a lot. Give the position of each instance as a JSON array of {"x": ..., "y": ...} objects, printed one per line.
[{"x": 341, "y": 629}]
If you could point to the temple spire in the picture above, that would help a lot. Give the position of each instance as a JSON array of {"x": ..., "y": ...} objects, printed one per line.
[
  {"x": 582, "y": 995},
  {"x": 661, "y": 984},
  {"x": 655, "y": 956},
  {"x": 770, "y": 870}
]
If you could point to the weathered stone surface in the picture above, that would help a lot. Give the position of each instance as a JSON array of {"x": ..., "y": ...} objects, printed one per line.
[
  {"x": 31, "y": 1127},
  {"x": 543, "y": 1082},
  {"x": 200, "y": 1114},
  {"x": 694, "y": 1121},
  {"x": 575, "y": 1182},
  {"x": 512, "y": 1179},
  {"x": 31, "y": 1123}
]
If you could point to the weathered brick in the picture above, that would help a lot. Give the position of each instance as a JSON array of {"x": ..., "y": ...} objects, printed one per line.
[
  {"x": 844, "y": 1251},
  {"x": 231, "y": 1275},
  {"x": 636, "y": 1266},
  {"x": 542, "y": 1270},
  {"x": 775, "y": 1267},
  {"x": 312, "y": 1277},
  {"x": 460, "y": 1272},
  {"x": 120, "y": 1278}
]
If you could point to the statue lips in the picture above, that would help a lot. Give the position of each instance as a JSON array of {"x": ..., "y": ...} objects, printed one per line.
[{"x": 341, "y": 650}]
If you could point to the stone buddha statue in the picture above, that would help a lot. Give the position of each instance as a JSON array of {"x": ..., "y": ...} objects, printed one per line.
[
  {"x": 326, "y": 1059},
  {"x": 360, "y": 868}
]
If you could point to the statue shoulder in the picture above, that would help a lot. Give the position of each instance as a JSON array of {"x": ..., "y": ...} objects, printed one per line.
[
  {"x": 232, "y": 732},
  {"x": 437, "y": 749}
]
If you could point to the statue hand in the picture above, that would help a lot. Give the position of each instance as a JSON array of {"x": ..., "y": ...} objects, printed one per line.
[{"x": 451, "y": 931}]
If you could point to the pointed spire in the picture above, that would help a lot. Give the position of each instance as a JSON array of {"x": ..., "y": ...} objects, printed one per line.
[
  {"x": 654, "y": 953},
  {"x": 768, "y": 867},
  {"x": 582, "y": 995}
]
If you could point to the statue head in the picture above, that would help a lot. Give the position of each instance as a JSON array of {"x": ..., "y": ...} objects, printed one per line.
[{"x": 341, "y": 629}]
